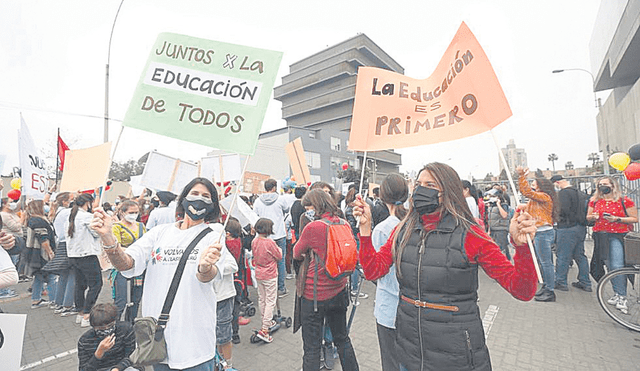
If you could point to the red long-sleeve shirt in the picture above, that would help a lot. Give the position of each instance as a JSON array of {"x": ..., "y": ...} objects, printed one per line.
[
  {"x": 314, "y": 237},
  {"x": 519, "y": 280}
]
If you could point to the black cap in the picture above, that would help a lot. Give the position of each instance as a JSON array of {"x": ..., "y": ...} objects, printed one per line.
[
  {"x": 166, "y": 197},
  {"x": 556, "y": 178}
]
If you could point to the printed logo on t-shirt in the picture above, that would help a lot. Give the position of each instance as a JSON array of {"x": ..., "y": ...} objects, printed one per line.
[{"x": 171, "y": 255}]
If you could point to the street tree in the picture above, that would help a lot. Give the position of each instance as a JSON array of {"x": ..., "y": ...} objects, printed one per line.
[{"x": 553, "y": 158}]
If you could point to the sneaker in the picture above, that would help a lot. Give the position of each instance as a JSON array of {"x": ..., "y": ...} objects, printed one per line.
[
  {"x": 622, "y": 305},
  {"x": 79, "y": 318},
  {"x": 264, "y": 336},
  {"x": 39, "y": 304},
  {"x": 582, "y": 286},
  {"x": 24, "y": 278},
  {"x": 54, "y": 306},
  {"x": 66, "y": 312},
  {"x": 235, "y": 339},
  {"x": 561, "y": 287},
  {"x": 547, "y": 296},
  {"x": 614, "y": 299},
  {"x": 59, "y": 309},
  {"x": 243, "y": 321},
  {"x": 361, "y": 295},
  {"x": 10, "y": 293},
  {"x": 289, "y": 276},
  {"x": 282, "y": 294},
  {"x": 85, "y": 323}
]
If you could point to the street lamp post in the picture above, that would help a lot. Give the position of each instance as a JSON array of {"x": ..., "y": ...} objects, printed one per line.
[
  {"x": 597, "y": 103},
  {"x": 106, "y": 80}
]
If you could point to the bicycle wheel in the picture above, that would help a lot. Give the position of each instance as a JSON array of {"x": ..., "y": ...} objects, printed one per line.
[{"x": 631, "y": 319}]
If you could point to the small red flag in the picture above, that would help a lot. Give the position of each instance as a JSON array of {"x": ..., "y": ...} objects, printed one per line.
[{"x": 62, "y": 148}]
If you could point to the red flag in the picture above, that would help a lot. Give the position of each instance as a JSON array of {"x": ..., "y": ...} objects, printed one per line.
[{"x": 62, "y": 147}]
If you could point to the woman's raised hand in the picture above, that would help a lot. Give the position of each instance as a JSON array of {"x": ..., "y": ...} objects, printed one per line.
[
  {"x": 522, "y": 224},
  {"x": 362, "y": 211},
  {"x": 101, "y": 223}
]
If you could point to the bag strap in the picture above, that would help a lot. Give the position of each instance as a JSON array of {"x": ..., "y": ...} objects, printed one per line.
[
  {"x": 175, "y": 282},
  {"x": 316, "y": 257},
  {"x": 128, "y": 231},
  {"x": 623, "y": 206}
]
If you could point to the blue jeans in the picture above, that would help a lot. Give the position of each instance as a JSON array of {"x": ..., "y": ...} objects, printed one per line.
[
  {"x": 206, "y": 366},
  {"x": 66, "y": 289},
  {"x": 615, "y": 261},
  {"x": 355, "y": 276},
  {"x": 570, "y": 243},
  {"x": 282, "y": 271},
  {"x": 38, "y": 283},
  {"x": 543, "y": 242},
  {"x": 120, "y": 287}
]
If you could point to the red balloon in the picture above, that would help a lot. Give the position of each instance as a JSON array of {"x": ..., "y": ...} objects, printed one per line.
[
  {"x": 632, "y": 172},
  {"x": 345, "y": 166},
  {"x": 14, "y": 194}
]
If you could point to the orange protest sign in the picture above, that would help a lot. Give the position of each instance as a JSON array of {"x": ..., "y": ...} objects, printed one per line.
[
  {"x": 297, "y": 161},
  {"x": 461, "y": 98}
]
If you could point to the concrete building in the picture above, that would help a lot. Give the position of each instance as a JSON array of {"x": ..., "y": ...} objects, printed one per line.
[
  {"x": 317, "y": 102},
  {"x": 514, "y": 156},
  {"x": 615, "y": 62}
]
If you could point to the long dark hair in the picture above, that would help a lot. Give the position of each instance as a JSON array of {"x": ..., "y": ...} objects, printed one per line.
[
  {"x": 322, "y": 203},
  {"x": 394, "y": 191},
  {"x": 453, "y": 204},
  {"x": 545, "y": 185},
  {"x": 79, "y": 202},
  {"x": 214, "y": 215}
]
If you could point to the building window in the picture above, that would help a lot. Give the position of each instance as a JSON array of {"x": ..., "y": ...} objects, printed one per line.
[
  {"x": 312, "y": 135},
  {"x": 313, "y": 159},
  {"x": 354, "y": 163},
  {"x": 335, "y": 144}
]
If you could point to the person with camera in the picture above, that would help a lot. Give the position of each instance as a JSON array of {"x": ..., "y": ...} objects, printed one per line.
[{"x": 499, "y": 217}]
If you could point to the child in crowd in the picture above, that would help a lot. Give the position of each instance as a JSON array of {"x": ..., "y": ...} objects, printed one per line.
[
  {"x": 266, "y": 255},
  {"x": 108, "y": 344}
]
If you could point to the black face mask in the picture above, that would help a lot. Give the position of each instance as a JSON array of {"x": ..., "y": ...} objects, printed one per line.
[
  {"x": 106, "y": 332},
  {"x": 604, "y": 189},
  {"x": 197, "y": 207},
  {"x": 425, "y": 200}
]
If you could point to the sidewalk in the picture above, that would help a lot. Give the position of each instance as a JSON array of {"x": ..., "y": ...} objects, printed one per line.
[{"x": 573, "y": 333}]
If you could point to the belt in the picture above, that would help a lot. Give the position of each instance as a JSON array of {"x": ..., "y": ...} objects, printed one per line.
[{"x": 424, "y": 304}]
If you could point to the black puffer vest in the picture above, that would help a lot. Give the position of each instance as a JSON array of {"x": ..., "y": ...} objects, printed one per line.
[{"x": 435, "y": 269}]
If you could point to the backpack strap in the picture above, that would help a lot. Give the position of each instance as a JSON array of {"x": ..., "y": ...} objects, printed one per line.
[
  {"x": 175, "y": 282},
  {"x": 316, "y": 257},
  {"x": 623, "y": 206}
]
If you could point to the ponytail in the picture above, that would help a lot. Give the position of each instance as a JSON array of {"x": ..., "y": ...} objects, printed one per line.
[
  {"x": 79, "y": 202},
  {"x": 394, "y": 191}
]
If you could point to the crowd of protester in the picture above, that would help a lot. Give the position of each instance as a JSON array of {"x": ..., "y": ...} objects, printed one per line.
[{"x": 421, "y": 240}]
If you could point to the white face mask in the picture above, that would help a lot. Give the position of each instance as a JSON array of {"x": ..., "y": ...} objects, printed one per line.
[
  {"x": 13, "y": 205},
  {"x": 131, "y": 218}
]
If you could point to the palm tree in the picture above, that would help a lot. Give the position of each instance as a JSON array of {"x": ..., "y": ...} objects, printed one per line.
[
  {"x": 594, "y": 157},
  {"x": 568, "y": 165},
  {"x": 553, "y": 158}
]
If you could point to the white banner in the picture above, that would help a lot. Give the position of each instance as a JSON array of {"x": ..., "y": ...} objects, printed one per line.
[
  {"x": 241, "y": 211},
  {"x": 34, "y": 173},
  {"x": 12, "y": 334},
  {"x": 165, "y": 173},
  {"x": 221, "y": 168}
]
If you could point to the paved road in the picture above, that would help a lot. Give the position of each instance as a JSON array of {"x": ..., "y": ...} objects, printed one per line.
[{"x": 571, "y": 334}]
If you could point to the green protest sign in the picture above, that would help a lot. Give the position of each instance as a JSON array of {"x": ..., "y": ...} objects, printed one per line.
[{"x": 203, "y": 91}]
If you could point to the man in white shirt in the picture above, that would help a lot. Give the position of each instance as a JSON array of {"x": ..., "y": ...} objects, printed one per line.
[{"x": 165, "y": 212}]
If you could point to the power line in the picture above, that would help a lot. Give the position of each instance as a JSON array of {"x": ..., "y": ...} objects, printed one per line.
[{"x": 9, "y": 105}]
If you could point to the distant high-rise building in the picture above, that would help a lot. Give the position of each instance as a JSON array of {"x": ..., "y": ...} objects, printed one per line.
[{"x": 515, "y": 156}]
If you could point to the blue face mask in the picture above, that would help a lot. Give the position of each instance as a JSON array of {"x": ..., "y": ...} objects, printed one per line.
[{"x": 310, "y": 214}]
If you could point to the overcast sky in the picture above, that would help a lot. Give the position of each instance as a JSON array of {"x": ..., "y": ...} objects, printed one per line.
[{"x": 53, "y": 56}]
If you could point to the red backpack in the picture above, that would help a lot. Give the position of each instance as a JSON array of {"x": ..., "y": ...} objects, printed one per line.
[{"x": 342, "y": 253}]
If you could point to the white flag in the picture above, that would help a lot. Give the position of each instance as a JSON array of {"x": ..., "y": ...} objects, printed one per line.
[{"x": 34, "y": 173}]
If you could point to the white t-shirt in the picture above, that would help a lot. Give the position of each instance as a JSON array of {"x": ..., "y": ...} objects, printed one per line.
[
  {"x": 191, "y": 330},
  {"x": 162, "y": 215},
  {"x": 473, "y": 206},
  {"x": 6, "y": 265}
]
